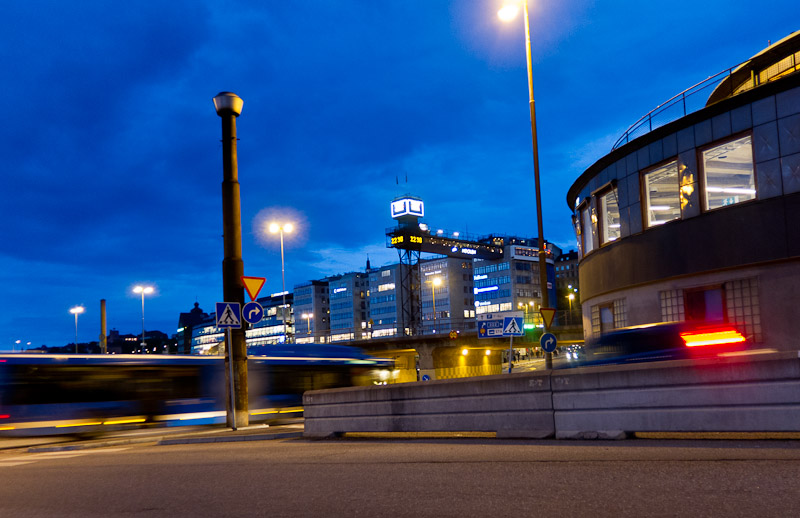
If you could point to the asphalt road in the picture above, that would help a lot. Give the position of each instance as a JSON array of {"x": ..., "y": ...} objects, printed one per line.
[{"x": 402, "y": 477}]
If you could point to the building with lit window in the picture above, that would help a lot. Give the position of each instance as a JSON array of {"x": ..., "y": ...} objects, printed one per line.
[
  {"x": 453, "y": 307},
  {"x": 348, "y": 306},
  {"x": 271, "y": 328},
  {"x": 693, "y": 214},
  {"x": 312, "y": 311},
  {"x": 512, "y": 283},
  {"x": 384, "y": 303}
]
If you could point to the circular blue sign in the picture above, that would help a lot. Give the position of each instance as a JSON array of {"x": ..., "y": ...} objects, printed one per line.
[
  {"x": 425, "y": 377},
  {"x": 252, "y": 312},
  {"x": 548, "y": 342}
]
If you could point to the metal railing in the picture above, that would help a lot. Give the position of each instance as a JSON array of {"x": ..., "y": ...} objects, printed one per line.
[{"x": 740, "y": 79}]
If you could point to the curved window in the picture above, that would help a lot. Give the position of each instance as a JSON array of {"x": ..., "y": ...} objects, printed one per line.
[
  {"x": 728, "y": 173},
  {"x": 586, "y": 226},
  {"x": 609, "y": 216},
  {"x": 661, "y": 190}
]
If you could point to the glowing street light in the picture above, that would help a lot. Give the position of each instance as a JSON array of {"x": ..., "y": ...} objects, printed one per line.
[
  {"x": 506, "y": 14},
  {"x": 77, "y": 310},
  {"x": 308, "y": 317},
  {"x": 143, "y": 290},
  {"x": 278, "y": 228}
]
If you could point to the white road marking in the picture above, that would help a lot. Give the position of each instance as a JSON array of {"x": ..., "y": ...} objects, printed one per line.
[{"x": 54, "y": 455}]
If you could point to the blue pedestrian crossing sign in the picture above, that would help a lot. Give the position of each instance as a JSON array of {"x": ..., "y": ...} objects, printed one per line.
[
  {"x": 253, "y": 312},
  {"x": 512, "y": 326},
  {"x": 229, "y": 315}
]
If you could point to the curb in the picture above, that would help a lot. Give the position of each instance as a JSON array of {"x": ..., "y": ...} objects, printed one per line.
[
  {"x": 233, "y": 438},
  {"x": 161, "y": 441},
  {"x": 91, "y": 445}
]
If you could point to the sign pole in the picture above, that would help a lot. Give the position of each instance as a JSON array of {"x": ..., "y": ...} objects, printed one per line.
[
  {"x": 230, "y": 375},
  {"x": 510, "y": 353}
]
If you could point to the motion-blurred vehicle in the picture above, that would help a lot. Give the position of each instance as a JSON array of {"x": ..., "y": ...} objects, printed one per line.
[
  {"x": 663, "y": 341},
  {"x": 78, "y": 394},
  {"x": 573, "y": 352}
]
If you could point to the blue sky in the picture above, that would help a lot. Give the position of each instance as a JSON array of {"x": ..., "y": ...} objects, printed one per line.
[{"x": 110, "y": 144}]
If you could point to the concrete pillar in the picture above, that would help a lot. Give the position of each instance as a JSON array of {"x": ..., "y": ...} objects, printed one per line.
[{"x": 426, "y": 366}]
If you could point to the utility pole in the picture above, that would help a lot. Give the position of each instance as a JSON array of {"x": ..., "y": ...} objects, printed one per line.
[{"x": 229, "y": 106}]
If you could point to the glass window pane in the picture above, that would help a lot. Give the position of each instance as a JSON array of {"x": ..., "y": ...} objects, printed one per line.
[
  {"x": 577, "y": 225},
  {"x": 728, "y": 173},
  {"x": 609, "y": 217},
  {"x": 586, "y": 222},
  {"x": 662, "y": 194}
]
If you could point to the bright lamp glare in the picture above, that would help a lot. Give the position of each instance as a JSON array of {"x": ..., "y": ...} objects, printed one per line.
[
  {"x": 288, "y": 227},
  {"x": 508, "y": 12},
  {"x": 274, "y": 227}
]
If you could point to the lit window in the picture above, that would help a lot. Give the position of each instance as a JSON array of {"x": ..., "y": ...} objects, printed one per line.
[
  {"x": 586, "y": 227},
  {"x": 609, "y": 216},
  {"x": 728, "y": 173},
  {"x": 661, "y": 187}
]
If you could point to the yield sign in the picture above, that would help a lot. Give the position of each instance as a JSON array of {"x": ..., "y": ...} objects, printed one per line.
[
  {"x": 253, "y": 285},
  {"x": 547, "y": 316}
]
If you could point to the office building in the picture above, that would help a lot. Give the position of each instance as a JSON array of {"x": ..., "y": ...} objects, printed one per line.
[{"x": 696, "y": 218}]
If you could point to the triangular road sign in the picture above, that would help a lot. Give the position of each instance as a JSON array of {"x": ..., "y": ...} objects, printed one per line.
[
  {"x": 547, "y": 316},
  {"x": 253, "y": 285}
]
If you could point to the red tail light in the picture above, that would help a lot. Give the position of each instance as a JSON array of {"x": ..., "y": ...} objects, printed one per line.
[{"x": 708, "y": 337}]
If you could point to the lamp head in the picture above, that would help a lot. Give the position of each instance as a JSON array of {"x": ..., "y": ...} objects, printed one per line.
[
  {"x": 226, "y": 102},
  {"x": 508, "y": 12}
]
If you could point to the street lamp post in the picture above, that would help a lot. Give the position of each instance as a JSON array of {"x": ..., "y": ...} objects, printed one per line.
[
  {"x": 276, "y": 228},
  {"x": 508, "y": 13},
  {"x": 228, "y": 106},
  {"x": 143, "y": 290},
  {"x": 308, "y": 317},
  {"x": 77, "y": 310},
  {"x": 436, "y": 281}
]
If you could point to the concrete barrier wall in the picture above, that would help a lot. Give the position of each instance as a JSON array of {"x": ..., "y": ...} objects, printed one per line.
[
  {"x": 758, "y": 393},
  {"x": 516, "y": 405}
]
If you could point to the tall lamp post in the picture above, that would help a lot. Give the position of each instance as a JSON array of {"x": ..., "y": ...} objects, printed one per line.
[
  {"x": 277, "y": 228},
  {"x": 228, "y": 106},
  {"x": 436, "y": 281},
  {"x": 77, "y": 310},
  {"x": 508, "y": 13},
  {"x": 143, "y": 290},
  {"x": 308, "y": 317}
]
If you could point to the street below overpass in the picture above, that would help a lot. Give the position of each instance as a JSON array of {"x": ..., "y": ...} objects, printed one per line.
[{"x": 420, "y": 475}]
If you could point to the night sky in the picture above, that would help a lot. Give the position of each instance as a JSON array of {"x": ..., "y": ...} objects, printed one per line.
[{"x": 112, "y": 163}]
